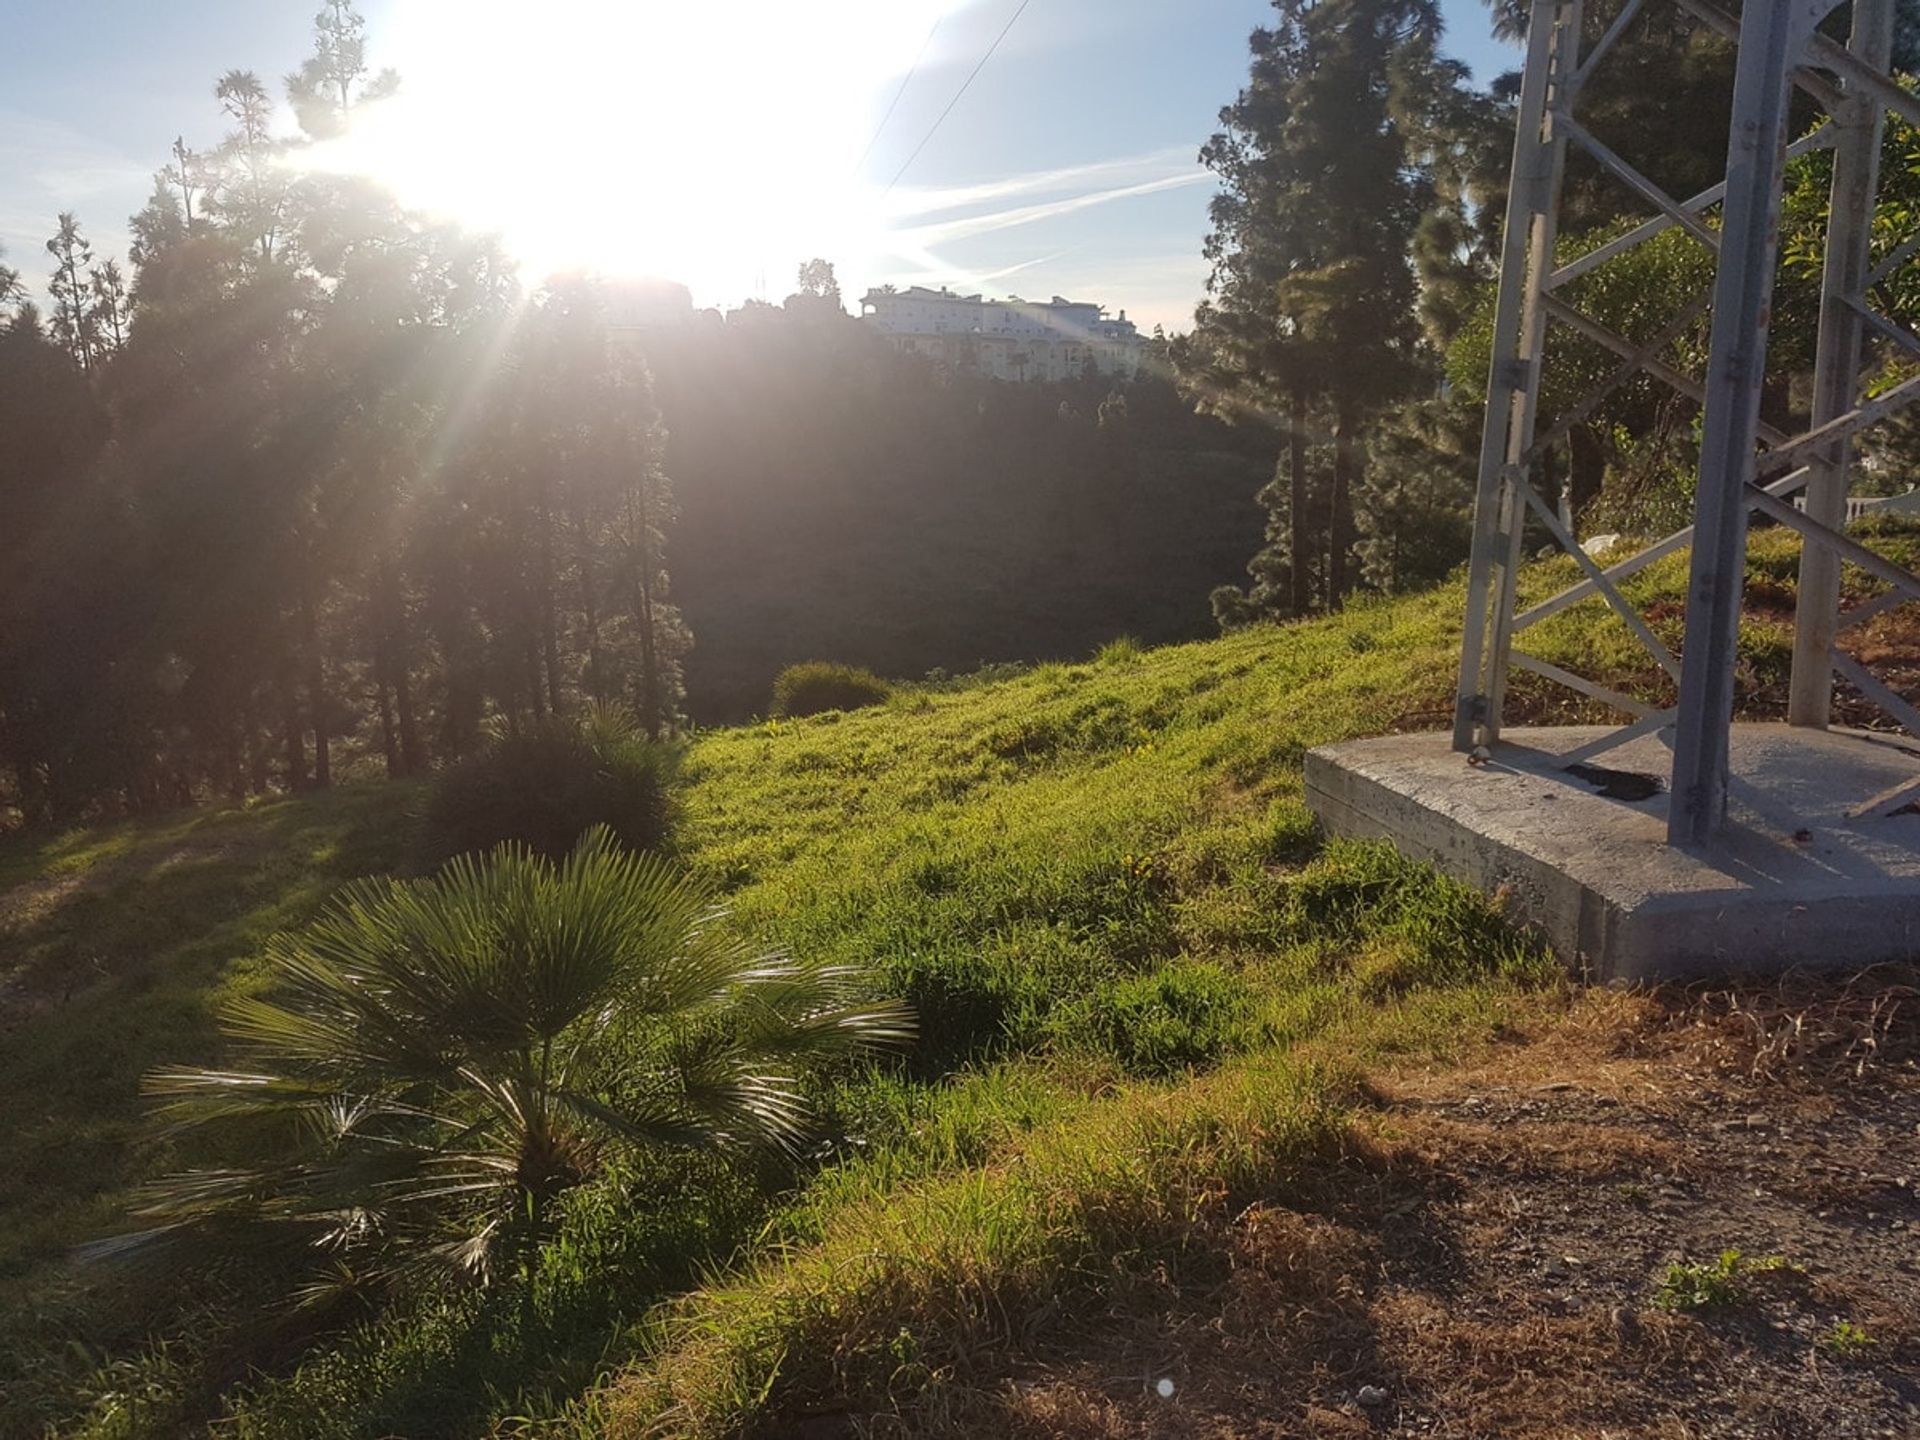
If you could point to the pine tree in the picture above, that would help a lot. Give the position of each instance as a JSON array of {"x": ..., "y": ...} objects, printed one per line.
[
  {"x": 1310, "y": 313},
  {"x": 108, "y": 310},
  {"x": 1415, "y": 509},
  {"x": 332, "y": 81},
  {"x": 248, "y": 185},
  {"x": 12, "y": 292},
  {"x": 73, "y": 322},
  {"x": 187, "y": 175}
]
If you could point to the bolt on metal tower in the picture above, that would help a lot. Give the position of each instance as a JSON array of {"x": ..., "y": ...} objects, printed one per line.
[{"x": 1745, "y": 465}]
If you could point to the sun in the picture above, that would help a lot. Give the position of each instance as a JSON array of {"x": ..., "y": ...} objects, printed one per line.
[{"x": 714, "y": 142}]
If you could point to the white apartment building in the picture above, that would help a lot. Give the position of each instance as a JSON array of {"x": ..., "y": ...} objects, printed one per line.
[{"x": 1011, "y": 339}]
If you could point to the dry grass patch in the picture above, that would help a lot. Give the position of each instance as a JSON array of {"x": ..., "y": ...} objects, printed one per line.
[
  {"x": 1801, "y": 1029},
  {"x": 1571, "y": 1150},
  {"x": 924, "y": 1291}
]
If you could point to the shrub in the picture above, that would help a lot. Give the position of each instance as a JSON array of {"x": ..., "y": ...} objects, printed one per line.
[
  {"x": 439, "y": 1061},
  {"x": 819, "y": 685},
  {"x": 548, "y": 785}
]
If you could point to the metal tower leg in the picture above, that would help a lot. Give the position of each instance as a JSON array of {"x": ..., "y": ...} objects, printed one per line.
[
  {"x": 1513, "y": 381},
  {"x": 1836, "y": 375},
  {"x": 1772, "y": 37}
]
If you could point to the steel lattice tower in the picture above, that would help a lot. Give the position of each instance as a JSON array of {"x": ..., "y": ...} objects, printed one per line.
[{"x": 1745, "y": 464}]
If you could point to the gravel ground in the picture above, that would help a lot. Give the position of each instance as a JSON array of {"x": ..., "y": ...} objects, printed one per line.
[{"x": 1495, "y": 1266}]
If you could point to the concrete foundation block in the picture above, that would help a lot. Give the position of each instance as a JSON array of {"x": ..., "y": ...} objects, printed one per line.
[{"x": 1818, "y": 865}]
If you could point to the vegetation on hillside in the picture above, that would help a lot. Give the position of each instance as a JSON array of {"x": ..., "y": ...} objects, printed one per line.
[
  {"x": 622, "y": 1135},
  {"x": 436, "y": 1063},
  {"x": 1137, "y": 971},
  {"x": 817, "y": 686},
  {"x": 1016, "y": 859},
  {"x": 1354, "y": 248},
  {"x": 547, "y": 785}
]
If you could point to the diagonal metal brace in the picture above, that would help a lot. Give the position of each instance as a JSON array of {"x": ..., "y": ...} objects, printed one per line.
[
  {"x": 1547, "y": 669},
  {"x": 1871, "y": 561},
  {"x": 1635, "y": 563},
  {"x": 1662, "y": 657},
  {"x": 1674, "y": 379},
  {"x": 1820, "y": 138},
  {"x": 1640, "y": 184}
]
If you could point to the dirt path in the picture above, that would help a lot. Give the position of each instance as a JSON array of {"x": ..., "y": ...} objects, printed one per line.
[{"x": 1496, "y": 1267}]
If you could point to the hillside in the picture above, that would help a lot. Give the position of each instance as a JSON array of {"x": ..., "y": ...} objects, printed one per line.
[
  {"x": 839, "y": 502},
  {"x": 1294, "y": 1126}
]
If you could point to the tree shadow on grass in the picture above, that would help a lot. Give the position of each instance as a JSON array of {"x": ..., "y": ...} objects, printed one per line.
[{"x": 124, "y": 970}]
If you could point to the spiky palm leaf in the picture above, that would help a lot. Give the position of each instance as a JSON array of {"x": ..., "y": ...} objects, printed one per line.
[{"x": 437, "y": 1059}]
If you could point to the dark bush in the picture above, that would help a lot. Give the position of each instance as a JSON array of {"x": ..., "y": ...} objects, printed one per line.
[
  {"x": 818, "y": 686},
  {"x": 549, "y": 784}
]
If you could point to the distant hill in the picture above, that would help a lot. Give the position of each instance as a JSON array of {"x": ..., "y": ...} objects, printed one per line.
[{"x": 839, "y": 501}]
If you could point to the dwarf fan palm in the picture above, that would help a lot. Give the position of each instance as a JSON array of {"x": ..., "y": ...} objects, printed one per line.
[{"x": 437, "y": 1060}]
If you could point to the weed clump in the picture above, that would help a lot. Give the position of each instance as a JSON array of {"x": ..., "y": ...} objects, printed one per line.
[
  {"x": 817, "y": 686},
  {"x": 1721, "y": 1284},
  {"x": 1845, "y": 1340},
  {"x": 1411, "y": 926}
]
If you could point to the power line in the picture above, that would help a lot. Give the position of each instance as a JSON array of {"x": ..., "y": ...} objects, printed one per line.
[
  {"x": 905, "y": 81},
  {"x": 956, "y": 97}
]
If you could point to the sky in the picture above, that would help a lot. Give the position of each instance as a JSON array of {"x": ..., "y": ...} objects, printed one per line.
[{"x": 718, "y": 143}]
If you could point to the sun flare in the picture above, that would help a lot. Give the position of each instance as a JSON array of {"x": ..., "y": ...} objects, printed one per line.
[{"x": 716, "y": 143}]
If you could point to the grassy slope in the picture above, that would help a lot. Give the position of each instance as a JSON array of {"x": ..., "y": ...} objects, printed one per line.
[
  {"x": 1030, "y": 859},
  {"x": 117, "y": 945},
  {"x": 1089, "y": 878}
]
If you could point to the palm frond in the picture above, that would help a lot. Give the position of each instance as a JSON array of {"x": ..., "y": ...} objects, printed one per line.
[{"x": 435, "y": 1058}]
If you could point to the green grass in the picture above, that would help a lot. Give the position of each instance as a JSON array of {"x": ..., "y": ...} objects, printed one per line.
[
  {"x": 117, "y": 962},
  {"x": 1145, "y": 989},
  {"x": 1720, "y": 1284},
  {"x": 1100, "y": 886},
  {"x": 1845, "y": 1340}
]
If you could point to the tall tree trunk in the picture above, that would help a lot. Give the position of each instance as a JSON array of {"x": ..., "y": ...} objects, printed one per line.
[
  {"x": 549, "y": 624},
  {"x": 640, "y": 550},
  {"x": 316, "y": 694},
  {"x": 256, "y": 749},
  {"x": 1299, "y": 578},
  {"x": 399, "y": 729},
  {"x": 389, "y": 741},
  {"x": 413, "y": 756},
  {"x": 294, "y": 735},
  {"x": 1340, "y": 508},
  {"x": 233, "y": 762},
  {"x": 534, "y": 686},
  {"x": 590, "y": 614}
]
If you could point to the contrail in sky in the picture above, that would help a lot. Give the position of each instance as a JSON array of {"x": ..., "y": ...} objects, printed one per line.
[
  {"x": 925, "y": 236},
  {"x": 1155, "y": 164}
]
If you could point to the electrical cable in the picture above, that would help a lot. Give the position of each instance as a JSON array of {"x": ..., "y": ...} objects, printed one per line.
[
  {"x": 971, "y": 75},
  {"x": 905, "y": 80}
]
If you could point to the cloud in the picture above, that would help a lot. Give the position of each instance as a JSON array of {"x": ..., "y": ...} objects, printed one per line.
[
  {"x": 47, "y": 167},
  {"x": 948, "y": 274}
]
